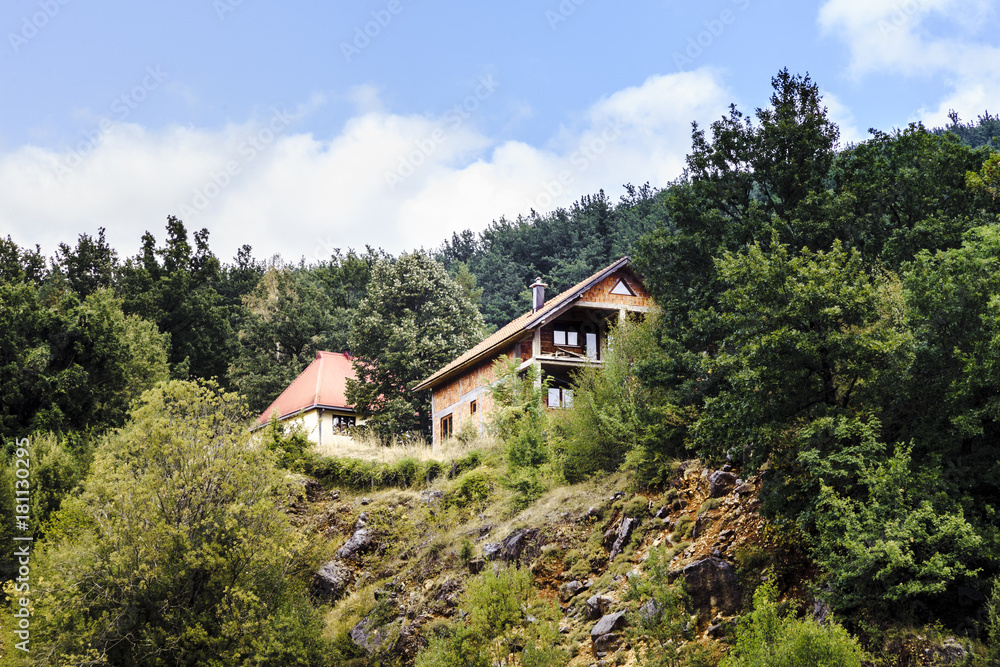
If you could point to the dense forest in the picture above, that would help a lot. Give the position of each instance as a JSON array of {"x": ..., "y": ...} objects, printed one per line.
[{"x": 828, "y": 318}]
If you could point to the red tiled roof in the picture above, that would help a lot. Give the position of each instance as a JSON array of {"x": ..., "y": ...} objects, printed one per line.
[
  {"x": 525, "y": 322},
  {"x": 321, "y": 385}
]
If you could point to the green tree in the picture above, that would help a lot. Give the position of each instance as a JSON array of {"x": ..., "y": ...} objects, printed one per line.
[
  {"x": 413, "y": 320},
  {"x": 175, "y": 286},
  {"x": 176, "y": 553},
  {"x": 766, "y": 638},
  {"x": 805, "y": 336},
  {"x": 615, "y": 414},
  {"x": 92, "y": 265}
]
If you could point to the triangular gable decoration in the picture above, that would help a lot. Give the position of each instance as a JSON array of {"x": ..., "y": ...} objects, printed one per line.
[{"x": 622, "y": 289}]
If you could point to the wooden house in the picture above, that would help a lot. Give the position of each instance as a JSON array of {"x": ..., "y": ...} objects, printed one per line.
[{"x": 558, "y": 335}]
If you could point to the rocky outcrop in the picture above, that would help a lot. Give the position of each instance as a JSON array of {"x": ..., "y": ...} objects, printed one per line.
[
  {"x": 331, "y": 581},
  {"x": 569, "y": 590},
  {"x": 622, "y": 536},
  {"x": 721, "y": 483},
  {"x": 603, "y": 636},
  {"x": 713, "y": 586},
  {"x": 359, "y": 543}
]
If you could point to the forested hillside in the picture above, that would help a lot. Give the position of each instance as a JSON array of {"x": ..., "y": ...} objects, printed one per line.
[{"x": 828, "y": 325}]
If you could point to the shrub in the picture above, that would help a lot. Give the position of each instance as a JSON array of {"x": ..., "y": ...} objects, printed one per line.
[
  {"x": 497, "y": 628},
  {"x": 682, "y": 529},
  {"x": 766, "y": 639},
  {"x": 614, "y": 413},
  {"x": 665, "y": 623}
]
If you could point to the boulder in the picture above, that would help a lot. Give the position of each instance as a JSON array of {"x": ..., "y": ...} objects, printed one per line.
[
  {"x": 569, "y": 590},
  {"x": 608, "y": 624},
  {"x": 622, "y": 536},
  {"x": 721, "y": 483},
  {"x": 597, "y": 605},
  {"x": 514, "y": 544},
  {"x": 713, "y": 586},
  {"x": 360, "y": 542},
  {"x": 491, "y": 551},
  {"x": 331, "y": 581}
]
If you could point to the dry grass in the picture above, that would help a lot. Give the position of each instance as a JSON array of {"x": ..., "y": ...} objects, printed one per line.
[{"x": 370, "y": 449}]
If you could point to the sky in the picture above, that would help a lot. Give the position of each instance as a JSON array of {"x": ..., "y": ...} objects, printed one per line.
[{"x": 302, "y": 127}]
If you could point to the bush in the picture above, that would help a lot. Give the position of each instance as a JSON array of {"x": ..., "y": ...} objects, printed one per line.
[
  {"x": 507, "y": 622},
  {"x": 766, "y": 639},
  {"x": 614, "y": 413},
  {"x": 175, "y": 547},
  {"x": 665, "y": 623}
]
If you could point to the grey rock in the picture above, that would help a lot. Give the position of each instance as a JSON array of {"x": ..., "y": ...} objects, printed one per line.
[
  {"x": 514, "y": 544},
  {"x": 476, "y": 565},
  {"x": 743, "y": 489},
  {"x": 622, "y": 536},
  {"x": 366, "y": 501},
  {"x": 608, "y": 624},
  {"x": 717, "y": 631},
  {"x": 569, "y": 590},
  {"x": 713, "y": 586},
  {"x": 597, "y": 605},
  {"x": 335, "y": 494},
  {"x": 362, "y": 521},
  {"x": 372, "y": 638},
  {"x": 331, "y": 581},
  {"x": 662, "y": 513},
  {"x": 721, "y": 483},
  {"x": 360, "y": 542},
  {"x": 491, "y": 551}
]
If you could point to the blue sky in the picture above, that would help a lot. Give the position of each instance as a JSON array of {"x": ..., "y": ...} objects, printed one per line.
[{"x": 304, "y": 126}]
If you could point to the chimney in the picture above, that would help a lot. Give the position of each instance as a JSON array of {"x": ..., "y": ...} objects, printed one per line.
[{"x": 537, "y": 295}]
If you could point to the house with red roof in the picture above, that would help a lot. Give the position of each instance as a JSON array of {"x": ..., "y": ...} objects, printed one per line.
[
  {"x": 317, "y": 399},
  {"x": 559, "y": 336}
]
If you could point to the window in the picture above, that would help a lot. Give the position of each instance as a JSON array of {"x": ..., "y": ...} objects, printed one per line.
[
  {"x": 559, "y": 397},
  {"x": 566, "y": 334},
  {"x": 473, "y": 406},
  {"x": 445, "y": 427},
  {"x": 623, "y": 289},
  {"x": 343, "y": 423}
]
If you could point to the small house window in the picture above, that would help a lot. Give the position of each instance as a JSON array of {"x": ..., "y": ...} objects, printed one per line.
[
  {"x": 473, "y": 406},
  {"x": 559, "y": 397},
  {"x": 446, "y": 427},
  {"x": 567, "y": 335}
]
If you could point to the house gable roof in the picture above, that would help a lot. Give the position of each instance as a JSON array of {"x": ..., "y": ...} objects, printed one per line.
[
  {"x": 526, "y": 322},
  {"x": 323, "y": 384}
]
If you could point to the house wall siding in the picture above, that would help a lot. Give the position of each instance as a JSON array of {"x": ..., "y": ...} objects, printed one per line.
[{"x": 455, "y": 396}]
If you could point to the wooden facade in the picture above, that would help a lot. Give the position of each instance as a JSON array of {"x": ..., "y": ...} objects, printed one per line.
[{"x": 566, "y": 333}]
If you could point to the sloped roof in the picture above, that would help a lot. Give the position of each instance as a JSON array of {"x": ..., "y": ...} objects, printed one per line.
[
  {"x": 518, "y": 326},
  {"x": 323, "y": 384}
]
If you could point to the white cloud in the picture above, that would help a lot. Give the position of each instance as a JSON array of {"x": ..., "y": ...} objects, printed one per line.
[
  {"x": 841, "y": 114},
  {"x": 951, "y": 39},
  {"x": 389, "y": 180}
]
